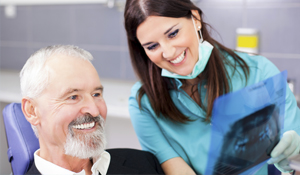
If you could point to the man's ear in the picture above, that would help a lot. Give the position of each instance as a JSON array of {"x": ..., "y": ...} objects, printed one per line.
[
  {"x": 196, "y": 14},
  {"x": 28, "y": 108}
]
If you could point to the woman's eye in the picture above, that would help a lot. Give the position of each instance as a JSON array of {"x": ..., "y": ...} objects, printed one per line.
[
  {"x": 152, "y": 47},
  {"x": 173, "y": 34},
  {"x": 73, "y": 97}
]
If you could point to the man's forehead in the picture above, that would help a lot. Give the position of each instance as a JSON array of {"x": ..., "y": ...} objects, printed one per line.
[
  {"x": 61, "y": 59},
  {"x": 64, "y": 66},
  {"x": 67, "y": 74}
]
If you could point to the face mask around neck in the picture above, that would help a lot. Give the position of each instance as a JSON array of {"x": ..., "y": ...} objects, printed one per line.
[{"x": 205, "y": 49}]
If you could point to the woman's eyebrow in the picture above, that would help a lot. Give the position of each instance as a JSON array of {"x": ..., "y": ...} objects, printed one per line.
[
  {"x": 147, "y": 44},
  {"x": 170, "y": 29},
  {"x": 164, "y": 34}
]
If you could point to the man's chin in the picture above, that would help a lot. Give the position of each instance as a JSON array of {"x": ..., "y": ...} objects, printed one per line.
[
  {"x": 86, "y": 144},
  {"x": 83, "y": 147},
  {"x": 84, "y": 151},
  {"x": 88, "y": 155}
]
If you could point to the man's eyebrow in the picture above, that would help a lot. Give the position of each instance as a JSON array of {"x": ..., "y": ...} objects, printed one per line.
[
  {"x": 164, "y": 34},
  {"x": 69, "y": 91},
  {"x": 99, "y": 88}
]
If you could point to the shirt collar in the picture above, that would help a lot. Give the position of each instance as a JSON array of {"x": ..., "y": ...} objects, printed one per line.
[
  {"x": 101, "y": 164},
  {"x": 45, "y": 167},
  {"x": 178, "y": 83}
]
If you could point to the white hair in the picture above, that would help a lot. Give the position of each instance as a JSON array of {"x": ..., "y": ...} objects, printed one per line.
[{"x": 34, "y": 76}]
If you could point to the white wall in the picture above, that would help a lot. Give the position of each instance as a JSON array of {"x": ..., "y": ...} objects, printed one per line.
[
  {"x": 46, "y": 2},
  {"x": 5, "y": 167}
]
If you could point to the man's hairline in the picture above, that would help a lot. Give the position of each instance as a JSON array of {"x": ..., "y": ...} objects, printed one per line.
[{"x": 46, "y": 69}]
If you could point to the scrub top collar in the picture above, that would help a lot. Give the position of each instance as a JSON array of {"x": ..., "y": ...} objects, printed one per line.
[{"x": 178, "y": 83}]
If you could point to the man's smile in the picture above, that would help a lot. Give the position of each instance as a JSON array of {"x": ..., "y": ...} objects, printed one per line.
[
  {"x": 84, "y": 125},
  {"x": 85, "y": 122}
]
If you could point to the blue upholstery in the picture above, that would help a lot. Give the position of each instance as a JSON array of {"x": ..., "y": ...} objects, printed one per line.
[{"x": 22, "y": 143}]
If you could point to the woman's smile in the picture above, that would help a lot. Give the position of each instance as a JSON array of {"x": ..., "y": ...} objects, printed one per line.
[{"x": 180, "y": 59}]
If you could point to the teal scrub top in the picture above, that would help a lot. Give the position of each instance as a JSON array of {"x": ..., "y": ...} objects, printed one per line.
[{"x": 167, "y": 139}]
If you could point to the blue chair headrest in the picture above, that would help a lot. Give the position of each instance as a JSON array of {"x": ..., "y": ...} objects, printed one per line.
[{"x": 22, "y": 142}]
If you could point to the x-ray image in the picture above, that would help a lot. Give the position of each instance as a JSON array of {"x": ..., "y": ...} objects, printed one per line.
[
  {"x": 249, "y": 141},
  {"x": 246, "y": 126}
]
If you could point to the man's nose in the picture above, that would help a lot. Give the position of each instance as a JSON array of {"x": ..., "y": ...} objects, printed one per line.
[
  {"x": 90, "y": 106},
  {"x": 168, "y": 51}
]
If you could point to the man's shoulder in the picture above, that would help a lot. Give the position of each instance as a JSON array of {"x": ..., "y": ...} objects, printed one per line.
[
  {"x": 125, "y": 161},
  {"x": 142, "y": 162},
  {"x": 129, "y": 152},
  {"x": 33, "y": 170}
]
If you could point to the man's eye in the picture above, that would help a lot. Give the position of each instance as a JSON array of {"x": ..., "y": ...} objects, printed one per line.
[
  {"x": 73, "y": 97},
  {"x": 173, "y": 34},
  {"x": 152, "y": 47},
  {"x": 96, "y": 95}
]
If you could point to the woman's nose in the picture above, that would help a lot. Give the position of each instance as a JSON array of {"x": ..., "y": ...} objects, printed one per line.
[{"x": 168, "y": 51}]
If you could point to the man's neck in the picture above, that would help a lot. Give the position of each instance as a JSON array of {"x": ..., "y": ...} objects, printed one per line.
[{"x": 73, "y": 164}]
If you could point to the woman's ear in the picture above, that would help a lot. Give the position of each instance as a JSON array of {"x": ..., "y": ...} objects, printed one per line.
[
  {"x": 196, "y": 14},
  {"x": 28, "y": 108}
]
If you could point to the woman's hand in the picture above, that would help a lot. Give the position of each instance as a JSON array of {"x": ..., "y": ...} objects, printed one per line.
[
  {"x": 177, "y": 166},
  {"x": 288, "y": 146}
]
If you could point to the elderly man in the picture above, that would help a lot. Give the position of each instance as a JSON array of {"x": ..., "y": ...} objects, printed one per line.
[{"x": 63, "y": 101}]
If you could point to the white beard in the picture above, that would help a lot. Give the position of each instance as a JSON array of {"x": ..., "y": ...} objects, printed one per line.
[{"x": 86, "y": 145}]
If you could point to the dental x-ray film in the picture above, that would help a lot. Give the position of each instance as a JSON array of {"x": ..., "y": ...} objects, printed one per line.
[{"x": 246, "y": 126}]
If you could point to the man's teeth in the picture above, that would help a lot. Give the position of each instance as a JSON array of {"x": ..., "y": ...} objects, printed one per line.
[
  {"x": 179, "y": 58},
  {"x": 84, "y": 126}
]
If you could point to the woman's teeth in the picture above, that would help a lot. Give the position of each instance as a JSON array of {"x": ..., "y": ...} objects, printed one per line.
[
  {"x": 84, "y": 126},
  {"x": 178, "y": 59}
]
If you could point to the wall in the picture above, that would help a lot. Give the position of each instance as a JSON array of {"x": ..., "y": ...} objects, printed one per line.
[
  {"x": 277, "y": 21},
  {"x": 5, "y": 168},
  {"x": 101, "y": 31},
  {"x": 94, "y": 27}
]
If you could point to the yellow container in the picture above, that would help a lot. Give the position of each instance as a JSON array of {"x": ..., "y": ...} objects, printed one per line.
[{"x": 247, "y": 40}]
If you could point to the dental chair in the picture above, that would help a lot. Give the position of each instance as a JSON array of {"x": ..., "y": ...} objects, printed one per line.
[{"x": 22, "y": 143}]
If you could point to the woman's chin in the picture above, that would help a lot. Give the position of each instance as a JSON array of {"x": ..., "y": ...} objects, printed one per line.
[{"x": 186, "y": 73}]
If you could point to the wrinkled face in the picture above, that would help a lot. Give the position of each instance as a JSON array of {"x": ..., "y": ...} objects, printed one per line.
[
  {"x": 170, "y": 43},
  {"x": 71, "y": 104}
]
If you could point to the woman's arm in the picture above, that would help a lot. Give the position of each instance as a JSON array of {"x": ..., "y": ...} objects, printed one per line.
[
  {"x": 148, "y": 130},
  {"x": 177, "y": 166}
]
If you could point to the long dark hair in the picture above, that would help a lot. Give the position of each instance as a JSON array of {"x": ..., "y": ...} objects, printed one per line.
[{"x": 153, "y": 84}]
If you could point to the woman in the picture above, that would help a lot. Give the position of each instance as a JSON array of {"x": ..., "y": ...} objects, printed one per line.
[{"x": 182, "y": 70}]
